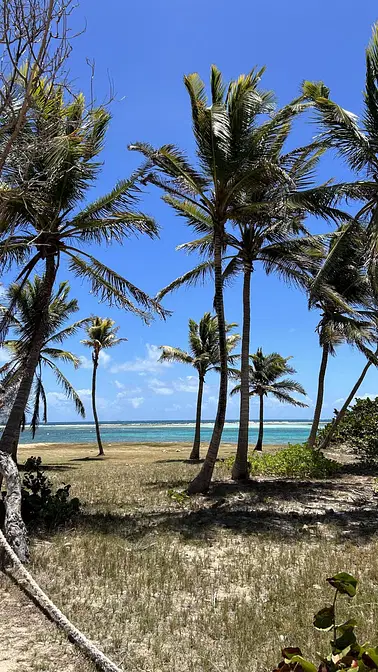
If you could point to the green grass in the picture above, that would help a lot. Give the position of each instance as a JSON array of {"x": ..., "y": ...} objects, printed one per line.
[
  {"x": 213, "y": 583},
  {"x": 295, "y": 461}
]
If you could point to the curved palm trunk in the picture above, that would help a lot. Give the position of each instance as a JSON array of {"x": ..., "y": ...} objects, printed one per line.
[
  {"x": 94, "y": 409},
  {"x": 195, "y": 454},
  {"x": 345, "y": 406},
  {"x": 240, "y": 468},
  {"x": 319, "y": 398},
  {"x": 202, "y": 481},
  {"x": 259, "y": 444},
  {"x": 12, "y": 428}
]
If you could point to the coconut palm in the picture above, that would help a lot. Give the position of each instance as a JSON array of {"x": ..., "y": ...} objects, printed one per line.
[
  {"x": 57, "y": 157},
  {"x": 356, "y": 141},
  {"x": 345, "y": 306},
  {"x": 232, "y": 166},
  {"x": 102, "y": 334},
  {"x": 26, "y": 302},
  {"x": 203, "y": 355},
  {"x": 266, "y": 377}
]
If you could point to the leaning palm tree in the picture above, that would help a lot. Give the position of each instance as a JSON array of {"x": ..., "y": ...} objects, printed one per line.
[
  {"x": 102, "y": 334},
  {"x": 57, "y": 157},
  {"x": 203, "y": 355},
  {"x": 266, "y": 377},
  {"x": 233, "y": 166},
  {"x": 344, "y": 299},
  {"x": 356, "y": 141},
  {"x": 26, "y": 303}
]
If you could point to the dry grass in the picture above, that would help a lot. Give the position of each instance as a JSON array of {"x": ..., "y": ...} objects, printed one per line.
[{"x": 213, "y": 583}]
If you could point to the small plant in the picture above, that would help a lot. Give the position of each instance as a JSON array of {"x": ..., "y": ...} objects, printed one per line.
[
  {"x": 346, "y": 653},
  {"x": 179, "y": 496},
  {"x": 295, "y": 461},
  {"x": 41, "y": 507},
  {"x": 358, "y": 429}
]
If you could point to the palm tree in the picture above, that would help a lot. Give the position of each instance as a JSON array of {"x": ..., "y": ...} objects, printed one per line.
[
  {"x": 203, "y": 355},
  {"x": 265, "y": 372},
  {"x": 26, "y": 303},
  {"x": 233, "y": 166},
  {"x": 356, "y": 141},
  {"x": 57, "y": 157},
  {"x": 343, "y": 299},
  {"x": 102, "y": 334}
]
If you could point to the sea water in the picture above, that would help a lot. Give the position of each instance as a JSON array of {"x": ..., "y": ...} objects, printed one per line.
[{"x": 275, "y": 432}]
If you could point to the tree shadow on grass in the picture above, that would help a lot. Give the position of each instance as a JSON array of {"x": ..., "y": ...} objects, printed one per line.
[
  {"x": 50, "y": 467},
  {"x": 278, "y": 508}
]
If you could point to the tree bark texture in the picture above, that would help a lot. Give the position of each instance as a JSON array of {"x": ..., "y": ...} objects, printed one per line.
[
  {"x": 319, "y": 398},
  {"x": 195, "y": 454}
]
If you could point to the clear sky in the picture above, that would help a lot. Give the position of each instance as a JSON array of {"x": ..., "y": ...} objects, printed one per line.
[{"x": 146, "y": 48}]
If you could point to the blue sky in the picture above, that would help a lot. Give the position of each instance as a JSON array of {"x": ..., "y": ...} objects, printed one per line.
[{"x": 146, "y": 48}]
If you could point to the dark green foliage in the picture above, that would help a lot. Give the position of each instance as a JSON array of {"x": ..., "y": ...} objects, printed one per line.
[
  {"x": 346, "y": 653},
  {"x": 295, "y": 461},
  {"x": 41, "y": 506},
  {"x": 358, "y": 430}
]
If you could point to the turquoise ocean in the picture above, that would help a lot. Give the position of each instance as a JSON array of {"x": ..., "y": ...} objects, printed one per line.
[{"x": 275, "y": 432}]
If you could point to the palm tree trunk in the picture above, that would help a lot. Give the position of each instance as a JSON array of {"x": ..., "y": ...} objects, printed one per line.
[
  {"x": 259, "y": 444},
  {"x": 240, "y": 468},
  {"x": 12, "y": 428},
  {"x": 202, "y": 481},
  {"x": 319, "y": 398},
  {"x": 195, "y": 454},
  {"x": 94, "y": 378},
  {"x": 345, "y": 406}
]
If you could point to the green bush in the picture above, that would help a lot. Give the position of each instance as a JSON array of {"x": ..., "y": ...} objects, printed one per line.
[
  {"x": 41, "y": 507},
  {"x": 359, "y": 430},
  {"x": 346, "y": 653},
  {"x": 295, "y": 461}
]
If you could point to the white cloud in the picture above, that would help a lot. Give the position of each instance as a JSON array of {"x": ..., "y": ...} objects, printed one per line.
[
  {"x": 158, "y": 387},
  {"x": 84, "y": 393},
  {"x": 367, "y": 395},
  {"x": 119, "y": 385},
  {"x": 4, "y": 355},
  {"x": 56, "y": 398},
  {"x": 188, "y": 384},
  {"x": 150, "y": 363},
  {"x": 85, "y": 363},
  {"x": 136, "y": 401},
  {"x": 174, "y": 407},
  {"x": 104, "y": 358},
  {"x": 340, "y": 401},
  {"x": 128, "y": 392}
]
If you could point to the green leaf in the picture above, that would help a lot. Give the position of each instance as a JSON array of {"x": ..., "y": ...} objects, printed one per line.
[
  {"x": 325, "y": 619},
  {"x": 346, "y": 640},
  {"x": 370, "y": 658},
  {"x": 291, "y": 651},
  {"x": 344, "y": 583},
  {"x": 305, "y": 664}
]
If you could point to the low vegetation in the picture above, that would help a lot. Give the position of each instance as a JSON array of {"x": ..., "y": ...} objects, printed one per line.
[
  {"x": 295, "y": 461},
  {"x": 358, "y": 430}
]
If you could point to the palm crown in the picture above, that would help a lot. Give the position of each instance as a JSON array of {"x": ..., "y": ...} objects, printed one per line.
[
  {"x": 102, "y": 334},
  {"x": 26, "y": 302},
  {"x": 265, "y": 372},
  {"x": 56, "y": 156},
  {"x": 203, "y": 346}
]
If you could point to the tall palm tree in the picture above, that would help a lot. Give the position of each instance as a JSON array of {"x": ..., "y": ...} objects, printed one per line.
[
  {"x": 203, "y": 355},
  {"x": 265, "y": 372},
  {"x": 26, "y": 303},
  {"x": 344, "y": 299},
  {"x": 356, "y": 141},
  {"x": 233, "y": 166},
  {"x": 102, "y": 334},
  {"x": 57, "y": 158}
]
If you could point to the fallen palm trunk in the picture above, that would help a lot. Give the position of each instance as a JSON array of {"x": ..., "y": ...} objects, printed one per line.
[
  {"x": 14, "y": 548},
  {"x": 15, "y": 530},
  {"x": 25, "y": 581}
]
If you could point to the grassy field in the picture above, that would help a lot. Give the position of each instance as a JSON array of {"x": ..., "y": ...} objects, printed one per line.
[{"x": 212, "y": 583}]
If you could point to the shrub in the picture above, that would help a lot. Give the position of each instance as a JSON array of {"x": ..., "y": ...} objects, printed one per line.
[
  {"x": 41, "y": 506},
  {"x": 346, "y": 653},
  {"x": 359, "y": 430},
  {"x": 295, "y": 461}
]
